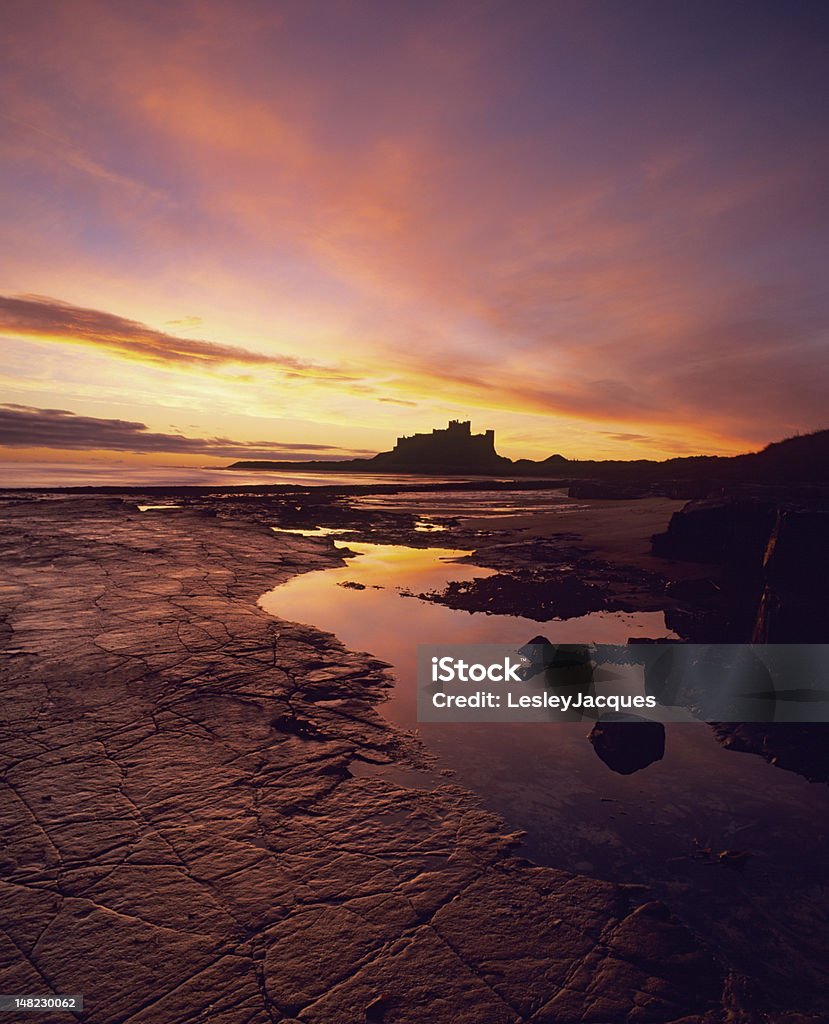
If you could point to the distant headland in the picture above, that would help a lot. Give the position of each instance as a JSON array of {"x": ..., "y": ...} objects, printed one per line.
[{"x": 454, "y": 450}]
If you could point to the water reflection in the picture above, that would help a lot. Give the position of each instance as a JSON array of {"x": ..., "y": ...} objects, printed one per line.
[
  {"x": 427, "y": 526},
  {"x": 384, "y": 617},
  {"x": 545, "y": 779},
  {"x": 476, "y": 504},
  {"x": 315, "y": 531}
]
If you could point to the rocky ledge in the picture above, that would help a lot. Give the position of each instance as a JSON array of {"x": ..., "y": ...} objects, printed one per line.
[{"x": 188, "y": 839}]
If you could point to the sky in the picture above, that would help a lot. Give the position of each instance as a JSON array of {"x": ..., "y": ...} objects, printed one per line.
[{"x": 299, "y": 230}]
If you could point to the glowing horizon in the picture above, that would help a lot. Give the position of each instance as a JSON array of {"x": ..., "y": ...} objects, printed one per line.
[{"x": 250, "y": 225}]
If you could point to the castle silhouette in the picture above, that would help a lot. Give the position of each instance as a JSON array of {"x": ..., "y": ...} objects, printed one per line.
[
  {"x": 449, "y": 449},
  {"x": 454, "y": 449}
]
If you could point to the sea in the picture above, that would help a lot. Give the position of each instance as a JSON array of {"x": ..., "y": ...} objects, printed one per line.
[{"x": 81, "y": 474}]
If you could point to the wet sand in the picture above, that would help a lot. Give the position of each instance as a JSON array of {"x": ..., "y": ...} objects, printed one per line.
[
  {"x": 186, "y": 839},
  {"x": 619, "y": 531}
]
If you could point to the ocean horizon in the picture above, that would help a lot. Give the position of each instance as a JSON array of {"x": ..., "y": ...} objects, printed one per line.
[{"x": 92, "y": 474}]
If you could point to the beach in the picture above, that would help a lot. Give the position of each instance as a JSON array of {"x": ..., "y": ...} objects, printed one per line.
[
  {"x": 199, "y": 827},
  {"x": 185, "y": 831}
]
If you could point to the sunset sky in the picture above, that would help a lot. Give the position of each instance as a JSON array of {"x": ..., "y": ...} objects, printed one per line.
[{"x": 303, "y": 228}]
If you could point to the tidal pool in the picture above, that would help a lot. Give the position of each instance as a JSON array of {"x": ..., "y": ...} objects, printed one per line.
[
  {"x": 663, "y": 826},
  {"x": 382, "y": 615}
]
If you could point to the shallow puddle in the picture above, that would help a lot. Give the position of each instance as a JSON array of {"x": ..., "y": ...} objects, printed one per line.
[
  {"x": 663, "y": 826},
  {"x": 370, "y": 604}
]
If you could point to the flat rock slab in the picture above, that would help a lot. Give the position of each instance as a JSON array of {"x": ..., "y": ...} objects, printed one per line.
[{"x": 184, "y": 841}]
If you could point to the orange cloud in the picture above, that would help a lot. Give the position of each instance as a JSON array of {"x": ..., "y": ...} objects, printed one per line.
[{"x": 52, "y": 320}]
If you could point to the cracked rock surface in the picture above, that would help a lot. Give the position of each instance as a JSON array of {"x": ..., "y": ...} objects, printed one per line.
[{"x": 184, "y": 840}]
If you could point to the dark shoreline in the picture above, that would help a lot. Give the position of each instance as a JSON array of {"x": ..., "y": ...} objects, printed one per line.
[{"x": 205, "y": 490}]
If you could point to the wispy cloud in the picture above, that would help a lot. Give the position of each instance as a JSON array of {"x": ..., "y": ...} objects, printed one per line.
[
  {"x": 620, "y": 435},
  {"x": 51, "y": 145},
  {"x": 24, "y": 426},
  {"x": 52, "y": 320}
]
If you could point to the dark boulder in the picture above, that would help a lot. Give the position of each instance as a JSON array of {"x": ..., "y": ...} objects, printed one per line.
[
  {"x": 794, "y": 607},
  {"x": 538, "y": 654},
  {"x": 563, "y": 665},
  {"x": 728, "y": 532},
  {"x": 628, "y": 743},
  {"x": 732, "y": 533}
]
